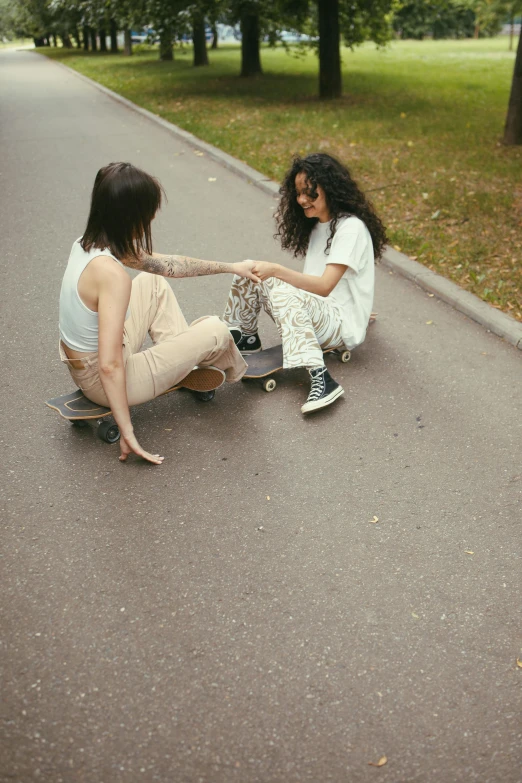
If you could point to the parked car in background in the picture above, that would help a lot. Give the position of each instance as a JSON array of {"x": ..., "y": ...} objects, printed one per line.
[
  {"x": 292, "y": 36},
  {"x": 144, "y": 36}
]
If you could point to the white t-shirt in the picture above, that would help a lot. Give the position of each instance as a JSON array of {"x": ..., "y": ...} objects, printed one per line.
[{"x": 353, "y": 295}]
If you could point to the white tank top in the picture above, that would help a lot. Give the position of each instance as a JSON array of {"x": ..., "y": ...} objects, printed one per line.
[{"x": 78, "y": 324}]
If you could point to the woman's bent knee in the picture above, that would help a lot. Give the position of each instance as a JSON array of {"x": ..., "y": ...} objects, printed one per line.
[
  {"x": 214, "y": 326},
  {"x": 221, "y": 331}
]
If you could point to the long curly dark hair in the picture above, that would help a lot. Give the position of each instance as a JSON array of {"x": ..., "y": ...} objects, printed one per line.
[{"x": 343, "y": 198}]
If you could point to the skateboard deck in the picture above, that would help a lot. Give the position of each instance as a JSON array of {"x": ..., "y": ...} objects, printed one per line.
[
  {"x": 262, "y": 365},
  {"x": 267, "y": 362},
  {"x": 76, "y": 407}
]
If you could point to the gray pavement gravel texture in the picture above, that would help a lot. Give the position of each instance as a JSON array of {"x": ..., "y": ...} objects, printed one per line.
[{"x": 235, "y": 615}]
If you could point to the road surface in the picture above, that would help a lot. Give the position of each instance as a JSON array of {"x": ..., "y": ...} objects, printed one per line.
[{"x": 236, "y": 615}]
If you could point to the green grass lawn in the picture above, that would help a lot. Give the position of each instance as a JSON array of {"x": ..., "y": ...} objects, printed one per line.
[{"x": 420, "y": 125}]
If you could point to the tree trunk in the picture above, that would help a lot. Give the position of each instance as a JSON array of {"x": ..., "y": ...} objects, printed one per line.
[
  {"x": 198, "y": 40},
  {"x": 114, "y": 36},
  {"x": 76, "y": 37},
  {"x": 94, "y": 42},
  {"x": 39, "y": 41},
  {"x": 86, "y": 38},
  {"x": 66, "y": 41},
  {"x": 103, "y": 39},
  {"x": 127, "y": 45},
  {"x": 250, "y": 55},
  {"x": 166, "y": 47},
  {"x": 214, "y": 37},
  {"x": 330, "y": 83},
  {"x": 55, "y": 40},
  {"x": 511, "y": 32},
  {"x": 513, "y": 129}
]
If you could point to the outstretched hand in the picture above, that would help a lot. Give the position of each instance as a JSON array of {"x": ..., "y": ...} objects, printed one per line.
[
  {"x": 129, "y": 445},
  {"x": 244, "y": 269}
]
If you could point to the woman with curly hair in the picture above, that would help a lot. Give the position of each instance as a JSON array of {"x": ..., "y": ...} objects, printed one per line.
[{"x": 325, "y": 217}]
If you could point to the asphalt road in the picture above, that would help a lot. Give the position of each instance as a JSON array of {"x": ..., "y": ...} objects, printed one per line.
[{"x": 235, "y": 615}]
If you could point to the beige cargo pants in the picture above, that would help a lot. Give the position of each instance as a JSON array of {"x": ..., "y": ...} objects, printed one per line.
[{"x": 177, "y": 348}]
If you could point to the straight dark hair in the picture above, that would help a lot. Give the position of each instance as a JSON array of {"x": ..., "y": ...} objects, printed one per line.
[{"x": 123, "y": 204}]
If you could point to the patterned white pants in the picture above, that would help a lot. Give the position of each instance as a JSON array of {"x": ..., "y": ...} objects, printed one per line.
[{"x": 307, "y": 323}]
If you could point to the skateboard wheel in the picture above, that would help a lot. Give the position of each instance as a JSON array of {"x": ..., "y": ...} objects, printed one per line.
[
  {"x": 204, "y": 396},
  {"x": 269, "y": 385},
  {"x": 79, "y": 423},
  {"x": 108, "y": 432},
  {"x": 345, "y": 356}
]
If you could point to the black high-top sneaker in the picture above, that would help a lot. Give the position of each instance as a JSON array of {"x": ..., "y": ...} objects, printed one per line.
[
  {"x": 323, "y": 392},
  {"x": 245, "y": 343}
]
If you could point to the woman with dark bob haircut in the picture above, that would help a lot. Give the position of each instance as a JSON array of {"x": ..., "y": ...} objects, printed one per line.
[
  {"x": 325, "y": 217},
  {"x": 105, "y": 317}
]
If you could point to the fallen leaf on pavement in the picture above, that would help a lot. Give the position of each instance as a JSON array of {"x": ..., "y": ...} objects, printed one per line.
[
  {"x": 519, "y": 663},
  {"x": 469, "y": 552},
  {"x": 429, "y": 322},
  {"x": 268, "y": 497},
  {"x": 212, "y": 179},
  {"x": 382, "y": 761},
  {"x": 200, "y": 154},
  {"x": 415, "y": 615},
  {"x": 374, "y": 520}
]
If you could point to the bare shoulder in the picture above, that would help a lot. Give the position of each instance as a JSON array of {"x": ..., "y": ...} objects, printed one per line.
[{"x": 106, "y": 269}]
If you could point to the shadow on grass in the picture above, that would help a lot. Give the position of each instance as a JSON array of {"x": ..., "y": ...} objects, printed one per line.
[{"x": 370, "y": 89}]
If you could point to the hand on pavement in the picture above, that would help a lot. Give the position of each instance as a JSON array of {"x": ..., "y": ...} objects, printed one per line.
[
  {"x": 244, "y": 269},
  {"x": 130, "y": 445}
]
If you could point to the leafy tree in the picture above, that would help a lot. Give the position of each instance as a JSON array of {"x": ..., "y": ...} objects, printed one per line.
[
  {"x": 260, "y": 18},
  {"x": 489, "y": 16},
  {"x": 439, "y": 18},
  {"x": 353, "y": 20},
  {"x": 513, "y": 9},
  {"x": 9, "y": 27},
  {"x": 513, "y": 127}
]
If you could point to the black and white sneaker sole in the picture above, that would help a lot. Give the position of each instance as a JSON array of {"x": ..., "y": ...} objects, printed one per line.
[{"x": 310, "y": 407}]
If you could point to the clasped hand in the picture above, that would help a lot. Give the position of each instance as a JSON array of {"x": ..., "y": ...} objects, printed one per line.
[{"x": 262, "y": 269}]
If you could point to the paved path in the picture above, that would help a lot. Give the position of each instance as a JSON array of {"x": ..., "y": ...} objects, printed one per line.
[{"x": 234, "y": 615}]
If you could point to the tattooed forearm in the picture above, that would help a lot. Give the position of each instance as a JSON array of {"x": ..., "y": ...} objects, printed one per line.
[{"x": 178, "y": 266}]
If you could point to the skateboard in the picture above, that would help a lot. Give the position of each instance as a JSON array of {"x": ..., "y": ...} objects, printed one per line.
[
  {"x": 263, "y": 365},
  {"x": 76, "y": 408}
]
